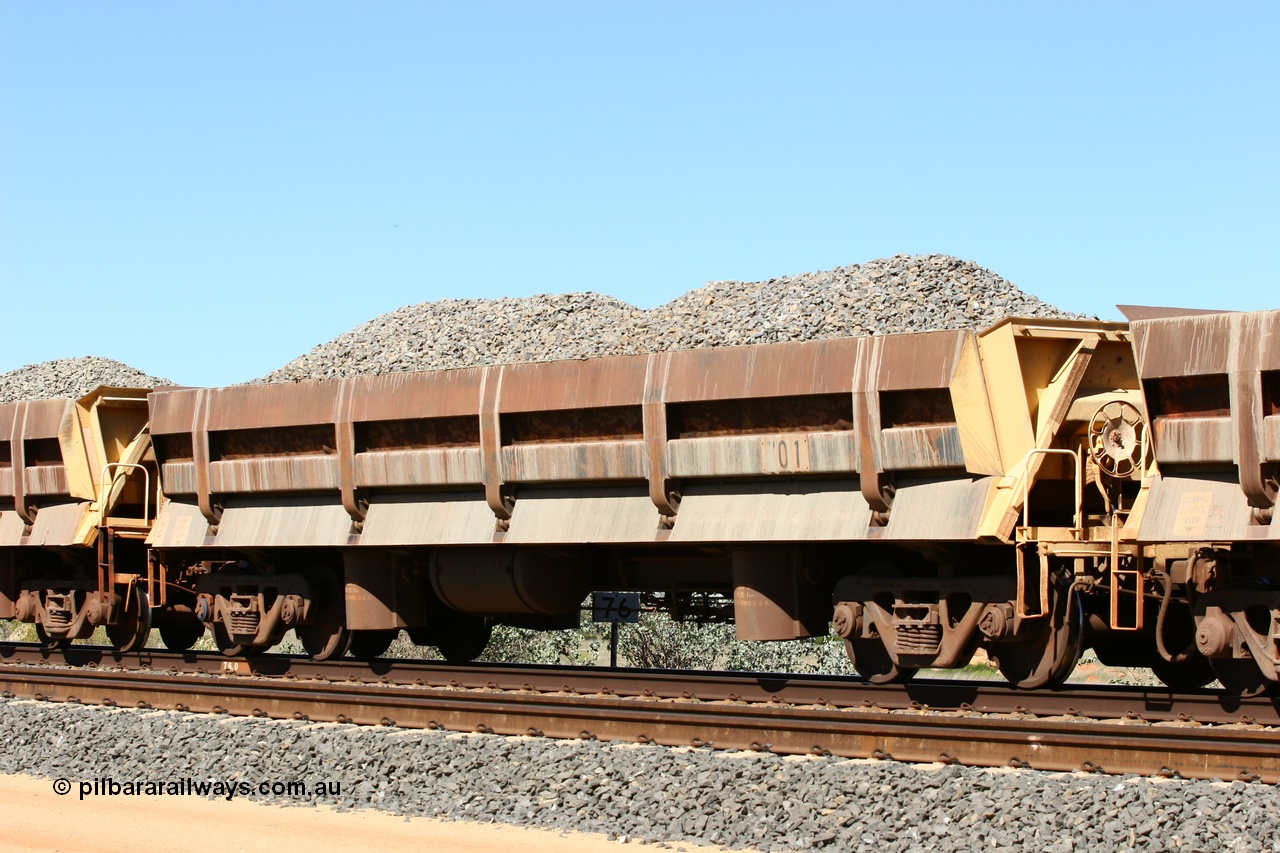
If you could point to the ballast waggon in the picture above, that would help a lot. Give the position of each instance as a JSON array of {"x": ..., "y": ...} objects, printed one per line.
[{"x": 1032, "y": 489}]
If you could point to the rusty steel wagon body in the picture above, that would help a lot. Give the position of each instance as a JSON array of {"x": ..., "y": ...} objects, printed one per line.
[{"x": 1030, "y": 489}]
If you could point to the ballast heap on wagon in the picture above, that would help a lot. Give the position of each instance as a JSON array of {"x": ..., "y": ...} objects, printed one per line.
[{"x": 1031, "y": 489}]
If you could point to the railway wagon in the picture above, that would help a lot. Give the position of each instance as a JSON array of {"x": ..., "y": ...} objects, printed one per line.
[
  {"x": 1030, "y": 489},
  {"x": 77, "y": 498},
  {"x": 1212, "y": 389}
]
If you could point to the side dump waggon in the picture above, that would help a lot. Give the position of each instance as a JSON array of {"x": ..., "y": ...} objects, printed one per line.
[{"x": 1032, "y": 489}]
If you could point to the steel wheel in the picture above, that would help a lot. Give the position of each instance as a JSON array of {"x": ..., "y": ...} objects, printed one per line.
[
  {"x": 422, "y": 635},
  {"x": 327, "y": 636},
  {"x": 872, "y": 661},
  {"x": 463, "y": 638},
  {"x": 1193, "y": 673},
  {"x": 1047, "y": 655},
  {"x": 1240, "y": 676},
  {"x": 367, "y": 645},
  {"x": 1192, "y": 670},
  {"x": 181, "y": 636},
  {"x": 134, "y": 625}
]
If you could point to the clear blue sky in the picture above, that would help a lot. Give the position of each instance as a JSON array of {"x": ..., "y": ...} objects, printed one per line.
[{"x": 205, "y": 190}]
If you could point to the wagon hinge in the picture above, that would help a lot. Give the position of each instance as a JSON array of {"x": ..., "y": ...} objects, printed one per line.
[
  {"x": 497, "y": 494},
  {"x": 663, "y": 492},
  {"x": 200, "y": 451},
  {"x": 1258, "y": 484},
  {"x": 876, "y": 485},
  {"x": 18, "y": 461},
  {"x": 345, "y": 444}
]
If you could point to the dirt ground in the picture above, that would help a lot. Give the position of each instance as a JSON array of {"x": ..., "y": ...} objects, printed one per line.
[{"x": 38, "y": 820}]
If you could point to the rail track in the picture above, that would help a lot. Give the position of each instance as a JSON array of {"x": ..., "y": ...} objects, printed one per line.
[{"x": 1110, "y": 729}]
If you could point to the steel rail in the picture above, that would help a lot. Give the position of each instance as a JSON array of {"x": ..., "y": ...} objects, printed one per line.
[
  {"x": 1118, "y": 702},
  {"x": 1046, "y": 743}
]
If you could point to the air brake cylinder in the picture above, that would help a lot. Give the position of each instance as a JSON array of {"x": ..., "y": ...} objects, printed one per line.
[
  {"x": 509, "y": 580},
  {"x": 771, "y": 601}
]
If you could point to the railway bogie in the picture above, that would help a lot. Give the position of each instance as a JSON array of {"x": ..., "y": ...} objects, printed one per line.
[{"x": 1031, "y": 490}]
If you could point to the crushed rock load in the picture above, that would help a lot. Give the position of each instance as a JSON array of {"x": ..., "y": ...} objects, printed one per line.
[
  {"x": 71, "y": 377},
  {"x": 905, "y": 293},
  {"x": 642, "y": 794}
]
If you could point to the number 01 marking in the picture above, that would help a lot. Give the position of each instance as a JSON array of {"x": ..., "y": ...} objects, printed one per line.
[{"x": 785, "y": 455}]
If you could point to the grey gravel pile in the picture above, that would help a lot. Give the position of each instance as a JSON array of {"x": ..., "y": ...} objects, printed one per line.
[
  {"x": 899, "y": 294},
  {"x": 71, "y": 377},
  {"x": 469, "y": 332},
  {"x": 905, "y": 293},
  {"x": 649, "y": 794}
]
